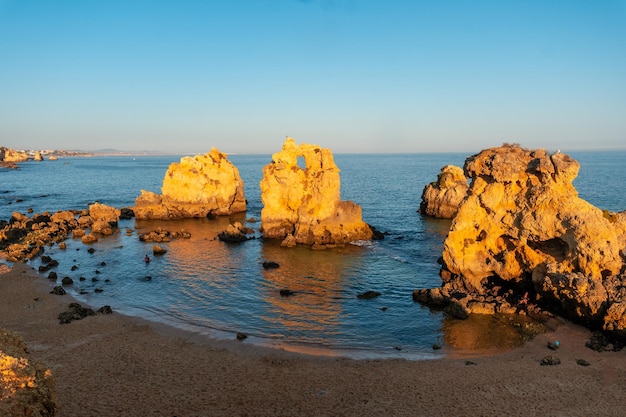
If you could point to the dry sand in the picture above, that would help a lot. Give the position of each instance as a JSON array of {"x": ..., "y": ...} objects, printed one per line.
[{"x": 113, "y": 365}]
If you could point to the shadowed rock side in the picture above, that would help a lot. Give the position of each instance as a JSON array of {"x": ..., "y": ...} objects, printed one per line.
[
  {"x": 443, "y": 197},
  {"x": 195, "y": 187},
  {"x": 302, "y": 204},
  {"x": 523, "y": 229}
]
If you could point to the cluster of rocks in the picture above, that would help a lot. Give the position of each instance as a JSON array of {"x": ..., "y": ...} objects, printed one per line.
[
  {"x": 163, "y": 235},
  {"x": 235, "y": 232},
  {"x": 23, "y": 237},
  {"x": 522, "y": 239},
  {"x": 75, "y": 311}
]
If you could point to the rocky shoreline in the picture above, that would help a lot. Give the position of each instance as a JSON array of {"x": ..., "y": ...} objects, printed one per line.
[{"x": 523, "y": 242}]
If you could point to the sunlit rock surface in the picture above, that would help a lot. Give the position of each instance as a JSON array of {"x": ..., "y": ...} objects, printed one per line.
[
  {"x": 11, "y": 155},
  {"x": 104, "y": 218},
  {"x": 26, "y": 386},
  {"x": 523, "y": 228},
  {"x": 302, "y": 200},
  {"x": 195, "y": 187},
  {"x": 443, "y": 197}
]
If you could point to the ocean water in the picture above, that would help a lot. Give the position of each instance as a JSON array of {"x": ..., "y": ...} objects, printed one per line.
[{"x": 219, "y": 289}]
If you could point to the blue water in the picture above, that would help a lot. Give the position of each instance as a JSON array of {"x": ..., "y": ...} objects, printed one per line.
[{"x": 218, "y": 289}]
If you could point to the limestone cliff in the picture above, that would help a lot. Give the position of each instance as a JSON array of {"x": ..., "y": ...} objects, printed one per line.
[
  {"x": 195, "y": 187},
  {"x": 10, "y": 155},
  {"x": 443, "y": 197},
  {"x": 523, "y": 228},
  {"x": 304, "y": 201},
  {"x": 522, "y": 212}
]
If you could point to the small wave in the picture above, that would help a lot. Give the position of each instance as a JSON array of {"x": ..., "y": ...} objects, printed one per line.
[{"x": 362, "y": 243}]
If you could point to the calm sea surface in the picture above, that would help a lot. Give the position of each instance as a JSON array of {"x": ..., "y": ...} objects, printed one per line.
[{"x": 219, "y": 289}]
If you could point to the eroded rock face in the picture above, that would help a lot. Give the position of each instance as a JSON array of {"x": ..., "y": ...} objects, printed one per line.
[
  {"x": 27, "y": 387},
  {"x": 523, "y": 228},
  {"x": 523, "y": 213},
  {"x": 304, "y": 201},
  {"x": 11, "y": 155},
  {"x": 443, "y": 197},
  {"x": 195, "y": 187},
  {"x": 103, "y": 218}
]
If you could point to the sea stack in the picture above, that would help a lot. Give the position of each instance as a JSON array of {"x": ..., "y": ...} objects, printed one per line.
[
  {"x": 301, "y": 202},
  {"x": 522, "y": 229},
  {"x": 442, "y": 198},
  {"x": 196, "y": 187}
]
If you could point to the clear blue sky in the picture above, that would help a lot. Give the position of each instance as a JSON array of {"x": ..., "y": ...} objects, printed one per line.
[{"x": 352, "y": 75}]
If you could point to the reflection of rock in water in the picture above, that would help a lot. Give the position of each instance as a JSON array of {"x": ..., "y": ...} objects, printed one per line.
[
  {"x": 316, "y": 280},
  {"x": 480, "y": 333}
]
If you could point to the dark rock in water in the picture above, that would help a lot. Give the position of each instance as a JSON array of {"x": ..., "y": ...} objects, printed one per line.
[
  {"x": 98, "y": 290},
  {"x": 286, "y": 293},
  {"x": 270, "y": 265},
  {"x": 91, "y": 250},
  {"x": 367, "y": 295},
  {"x": 376, "y": 234},
  {"x": 82, "y": 279},
  {"x": 147, "y": 278},
  {"x": 74, "y": 312},
  {"x": 582, "y": 362},
  {"x": 52, "y": 275},
  {"x": 74, "y": 267},
  {"x": 241, "y": 336},
  {"x": 550, "y": 360},
  {"x": 436, "y": 346},
  {"x": 45, "y": 259},
  {"x": 105, "y": 310},
  {"x": 67, "y": 281},
  {"x": 103, "y": 263},
  {"x": 126, "y": 213},
  {"x": 58, "y": 290}
]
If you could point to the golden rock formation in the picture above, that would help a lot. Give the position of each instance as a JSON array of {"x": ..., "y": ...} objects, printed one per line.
[
  {"x": 523, "y": 215},
  {"x": 27, "y": 387},
  {"x": 11, "y": 155},
  {"x": 443, "y": 197},
  {"x": 195, "y": 187},
  {"x": 304, "y": 202}
]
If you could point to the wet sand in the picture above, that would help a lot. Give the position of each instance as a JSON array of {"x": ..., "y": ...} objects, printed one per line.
[{"x": 114, "y": 365}]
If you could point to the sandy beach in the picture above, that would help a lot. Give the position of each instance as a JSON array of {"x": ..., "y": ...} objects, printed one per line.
[{"x": 114, "y": 365}]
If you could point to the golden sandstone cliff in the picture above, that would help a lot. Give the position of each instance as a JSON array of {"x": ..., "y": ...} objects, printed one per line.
[
  {"x": 302, "y": 204},
  {"x": 522, "y": 229},
  {"x": 196, "y": 187}
]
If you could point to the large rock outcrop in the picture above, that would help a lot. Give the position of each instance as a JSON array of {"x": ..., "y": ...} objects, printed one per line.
[
  {"x": 10, "y": 155},
  {"x": 196, "y": 187},
  {"x": 27, "y": 387},
  {"x": 523, "y": 229},
  {"x": 443, "y": 197},
  {"x": 304, "y": 202}
]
